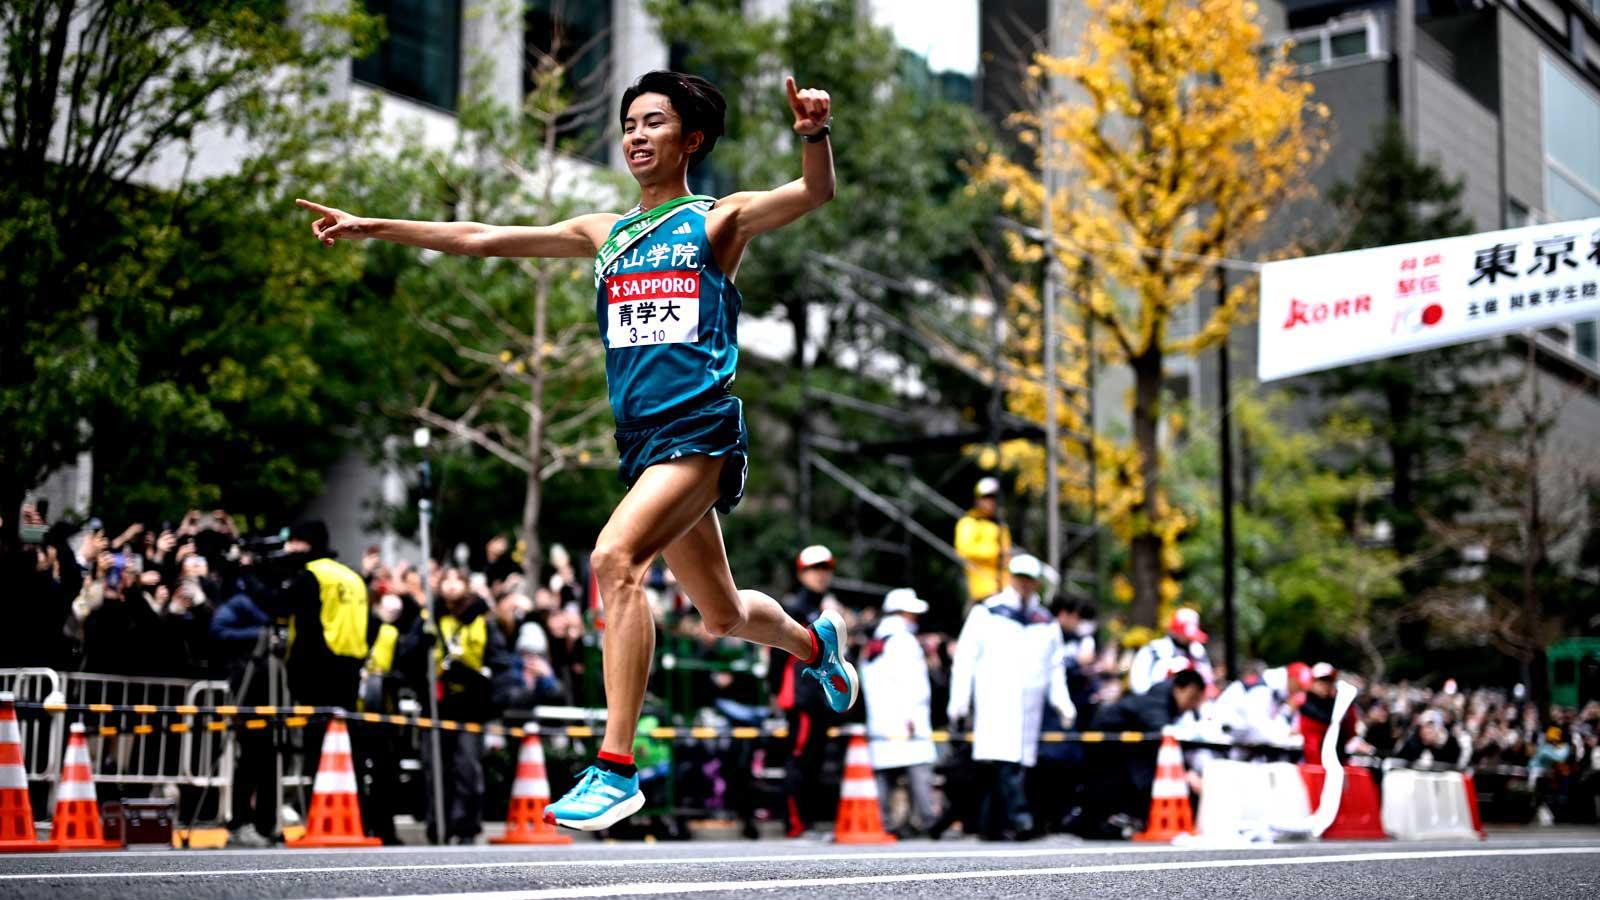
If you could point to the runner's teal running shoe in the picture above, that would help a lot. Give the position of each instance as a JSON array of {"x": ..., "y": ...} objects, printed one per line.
[
  {"x": 838, "y": 678},
  {"x": 599, "y": 800}
]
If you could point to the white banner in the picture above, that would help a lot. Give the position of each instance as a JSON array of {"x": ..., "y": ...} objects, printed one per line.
[{"x": 1321, "y": 312}]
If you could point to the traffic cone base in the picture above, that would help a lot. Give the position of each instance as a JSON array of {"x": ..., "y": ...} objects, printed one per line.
[
  {"x": 77, "y": 823},
  {"x": 525, "y": 820},
  {"x": 335, "y": 816},
  {"x": 1170, "y": 811},
  {"x": 859, "y": 821},
  {"x": 16, "y": 809}
]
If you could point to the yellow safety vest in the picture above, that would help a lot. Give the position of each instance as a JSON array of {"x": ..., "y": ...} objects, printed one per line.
[
  {"x": 470, "y": 642},
  {"x": 344, "y": 609},
  {"x": 381, "y": 660},
  {"x": 984, "y": 545}
]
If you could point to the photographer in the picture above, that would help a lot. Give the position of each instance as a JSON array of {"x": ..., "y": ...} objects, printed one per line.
[
  {"x": 326, "y": 605},
  {"x": 242, "y": 638}
]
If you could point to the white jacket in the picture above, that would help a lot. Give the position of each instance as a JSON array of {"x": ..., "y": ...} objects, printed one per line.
[
  {"x": 1161, "y": 659},
  {"x": 1009, "y": 659},
  {"x": 899, "y": 698}
]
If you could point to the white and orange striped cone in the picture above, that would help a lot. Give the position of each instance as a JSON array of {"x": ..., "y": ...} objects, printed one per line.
[
  {"x": 335, "y": 817},
  {"x": 530, "y": 793},
  {"x": 860, "y": 821},
  {"x": 1170, "y": 811},
  {"x": 77, "y": 821},
  {"x": 16, "y": 810}
]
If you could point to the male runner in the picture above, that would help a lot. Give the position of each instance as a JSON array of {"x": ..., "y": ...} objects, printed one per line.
[{"x": 668, "y": 313}]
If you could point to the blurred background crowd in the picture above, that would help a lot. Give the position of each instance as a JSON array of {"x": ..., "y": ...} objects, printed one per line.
[{"x": 1019, "y": 656}]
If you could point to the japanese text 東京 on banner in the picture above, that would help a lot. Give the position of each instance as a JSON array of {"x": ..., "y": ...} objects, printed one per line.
[{"x": 1321, "y": 312}]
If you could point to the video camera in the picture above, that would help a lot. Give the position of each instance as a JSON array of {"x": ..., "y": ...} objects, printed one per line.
[{"x": 266, "y": 554}]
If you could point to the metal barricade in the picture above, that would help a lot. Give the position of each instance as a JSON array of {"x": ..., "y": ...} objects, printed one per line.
[
  {"x": 143, "y": 750},
  {"x": 42, "y": 739}
]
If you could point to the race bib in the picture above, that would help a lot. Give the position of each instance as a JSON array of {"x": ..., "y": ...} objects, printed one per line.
[{"x": 649, "y": 308}]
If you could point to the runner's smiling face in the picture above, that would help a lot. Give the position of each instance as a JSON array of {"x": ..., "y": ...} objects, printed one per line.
[{"x": 653, "y": 141}]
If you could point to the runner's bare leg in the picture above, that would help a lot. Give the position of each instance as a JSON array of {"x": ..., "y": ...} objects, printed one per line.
[
  {"x": 700, "y": 561},
  {"x": 666, "y": 502}
]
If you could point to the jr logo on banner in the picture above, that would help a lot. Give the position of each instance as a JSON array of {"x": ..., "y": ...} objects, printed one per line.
[{"x": 1322, "y": 312}]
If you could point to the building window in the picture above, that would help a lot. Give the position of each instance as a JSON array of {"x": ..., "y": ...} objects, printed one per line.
[
  {"x": 421, "y": 56},
  {"x": 578, "y": 35},
  {"x": 1352, "y": 39},
  {"x": 1586, "y": 340},
  {"x": 1571, "y": 145}
]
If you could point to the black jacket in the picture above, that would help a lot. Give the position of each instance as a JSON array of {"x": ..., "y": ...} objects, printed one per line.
[{"x": 1151, "y": 711}]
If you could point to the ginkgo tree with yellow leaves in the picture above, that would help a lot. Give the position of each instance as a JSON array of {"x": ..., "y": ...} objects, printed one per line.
[{"x": 1175, "y": 138}]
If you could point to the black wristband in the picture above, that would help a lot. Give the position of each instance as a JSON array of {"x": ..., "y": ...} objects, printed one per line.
[{"x": 819, "y": 136}]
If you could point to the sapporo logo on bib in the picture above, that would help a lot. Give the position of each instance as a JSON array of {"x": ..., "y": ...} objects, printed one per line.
[{"x": 648, "y": 308}]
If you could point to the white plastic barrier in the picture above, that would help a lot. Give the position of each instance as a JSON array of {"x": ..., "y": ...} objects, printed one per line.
[
  {"x": 1422, "y": 806},
  {"x": 1241, "y": 798}
]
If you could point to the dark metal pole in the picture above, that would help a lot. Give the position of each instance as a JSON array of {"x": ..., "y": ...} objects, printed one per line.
[
  {"x": 1085, "y": 289},
  {"x": 1225, "y": 447}
]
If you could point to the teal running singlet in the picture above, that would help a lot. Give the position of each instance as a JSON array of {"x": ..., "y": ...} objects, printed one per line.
[{"x": 669, "y": 318}]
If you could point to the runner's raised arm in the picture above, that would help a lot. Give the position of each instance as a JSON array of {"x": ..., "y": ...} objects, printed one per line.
[{"x": 756, "y": 212}]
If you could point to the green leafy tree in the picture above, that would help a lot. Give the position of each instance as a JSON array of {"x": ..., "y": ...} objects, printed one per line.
[
  {"x": 1416, "y": 412},
  {"x": 1306, "y": 582},
  {"x": 1424, "y": 403},
  {"x": 94, "y": 94},
  {"x": 504, "y": 357}
]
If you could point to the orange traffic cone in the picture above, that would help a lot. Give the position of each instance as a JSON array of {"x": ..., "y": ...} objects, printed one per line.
[
  {"x": 859, "y": 820},
  {"x": 525, "y": 822},
  {"x": 335, "y": 818},
  {"x": 77, "y": 822},
  {"x": 16, "y": 810},
  {"x": 1170, "y": 812}
]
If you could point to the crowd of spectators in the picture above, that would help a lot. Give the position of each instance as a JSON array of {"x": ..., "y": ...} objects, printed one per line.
[{"x": 192, "y": 600}]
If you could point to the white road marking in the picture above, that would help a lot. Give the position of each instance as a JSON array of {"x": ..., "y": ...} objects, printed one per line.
[
  {"x": 692, "y": 887},
  {"x": 633, "y": 860}
]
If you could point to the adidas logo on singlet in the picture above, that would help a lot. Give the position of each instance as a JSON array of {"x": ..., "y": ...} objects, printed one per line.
[{"x": 682, "y": 229}]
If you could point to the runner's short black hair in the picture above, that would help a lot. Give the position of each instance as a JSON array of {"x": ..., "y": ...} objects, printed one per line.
[{"x": 697, "y": 101}]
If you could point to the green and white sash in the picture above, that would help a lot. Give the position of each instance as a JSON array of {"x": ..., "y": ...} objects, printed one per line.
[{"x": 631, "y": 233}]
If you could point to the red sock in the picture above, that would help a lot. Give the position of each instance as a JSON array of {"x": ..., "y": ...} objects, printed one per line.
[
  {"x": 816, "y": 648},
  {"x": 621, "y": 759}
]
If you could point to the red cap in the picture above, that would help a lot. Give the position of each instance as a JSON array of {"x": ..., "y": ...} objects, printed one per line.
[
  {"x": 1186, "y": 624},
  {"x": 1299, "y": 675}
]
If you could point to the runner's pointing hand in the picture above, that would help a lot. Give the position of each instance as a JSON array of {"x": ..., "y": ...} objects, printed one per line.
[
  {"x": 810, "y": 107},
  {"x": 335, "y": 224}
]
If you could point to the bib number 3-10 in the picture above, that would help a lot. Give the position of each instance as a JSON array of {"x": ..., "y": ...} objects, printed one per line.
[{"x": 651, "y": 308}]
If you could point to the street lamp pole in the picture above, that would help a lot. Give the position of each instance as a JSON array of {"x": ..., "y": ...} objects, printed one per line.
[{"x": 421, "y": 438}]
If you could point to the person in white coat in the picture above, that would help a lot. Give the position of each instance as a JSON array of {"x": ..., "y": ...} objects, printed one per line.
[
  {"x": 894, "y": 677},
  {"x": 1183, "y": 647},
  {"x": 1009, "y": 662}
]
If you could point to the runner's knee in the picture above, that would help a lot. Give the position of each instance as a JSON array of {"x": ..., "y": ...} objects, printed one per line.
[
  {"x": 727, "y": 618},
  {"x": 615, "y": 567}
]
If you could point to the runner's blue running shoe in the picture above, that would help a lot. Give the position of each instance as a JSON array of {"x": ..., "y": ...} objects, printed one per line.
[
  {"x": 599, "y": 800},
  {"x": 838, "y": 678}
]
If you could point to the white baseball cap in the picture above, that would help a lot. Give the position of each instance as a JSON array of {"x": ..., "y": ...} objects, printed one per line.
[
  {"x": 987, "y": 487},
  {"x": 814, "y": 555},
  {"x": 1027, "y": 566},
  {"x": 904, "y": 600},
  {"x": 531, "y": 640}
]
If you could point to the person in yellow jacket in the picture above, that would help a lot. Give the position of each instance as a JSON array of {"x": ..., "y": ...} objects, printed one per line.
[
  {"x": 984, "y": 543},
  {"x": 325, "y": 602},
  {"x": 469, "y": 652}
]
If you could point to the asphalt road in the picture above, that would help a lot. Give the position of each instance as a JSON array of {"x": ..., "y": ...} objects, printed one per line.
[{"x": 1507, "y": 866}]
